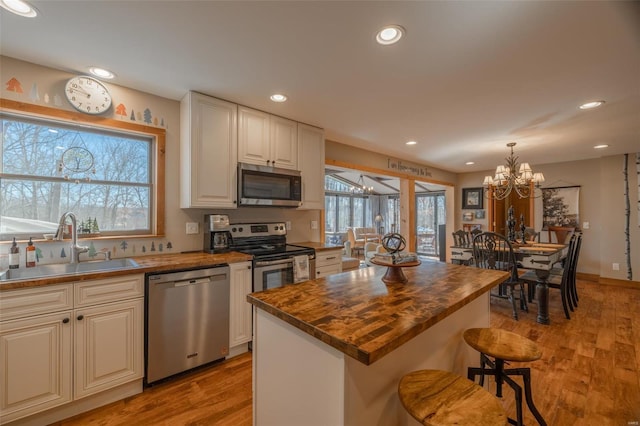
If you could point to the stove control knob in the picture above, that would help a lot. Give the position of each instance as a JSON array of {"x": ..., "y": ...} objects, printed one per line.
[
  {"x": 240, "y": 229},
  {"x": 233, "y": 229}
]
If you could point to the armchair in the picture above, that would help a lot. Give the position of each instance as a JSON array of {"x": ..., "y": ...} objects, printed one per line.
[{"x": 370, "y": 249}]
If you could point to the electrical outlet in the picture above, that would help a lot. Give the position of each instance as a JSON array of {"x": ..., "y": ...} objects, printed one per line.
[
  {"x": 585, "y": 225},
  {"x": 288, "y": 223},
  {"x": 616, "y": 266},
  {"x": 314, "y": 224},
  {"x": 192, "y": 228}
]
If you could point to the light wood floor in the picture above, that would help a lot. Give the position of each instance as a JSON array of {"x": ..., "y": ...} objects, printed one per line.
[{"x": 588, "y": 374}]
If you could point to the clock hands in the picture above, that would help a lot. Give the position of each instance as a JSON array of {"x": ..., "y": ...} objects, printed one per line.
[{"x": 75, "y": 89}]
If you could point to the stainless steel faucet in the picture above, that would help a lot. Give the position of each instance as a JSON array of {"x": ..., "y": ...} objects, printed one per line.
[{"x": 75, "y": 248}]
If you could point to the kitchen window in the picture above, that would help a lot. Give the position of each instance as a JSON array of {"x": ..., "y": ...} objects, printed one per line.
[{"x": 106, "y": 174}]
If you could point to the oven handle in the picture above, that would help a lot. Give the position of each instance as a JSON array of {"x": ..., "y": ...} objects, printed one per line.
[{"x": 273, "y": 262}]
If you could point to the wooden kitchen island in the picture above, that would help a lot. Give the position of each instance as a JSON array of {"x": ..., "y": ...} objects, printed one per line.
[{"x": 332, "y": 351}]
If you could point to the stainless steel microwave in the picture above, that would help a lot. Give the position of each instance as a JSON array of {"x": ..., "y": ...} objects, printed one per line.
[{"x": 266, "y": 186}]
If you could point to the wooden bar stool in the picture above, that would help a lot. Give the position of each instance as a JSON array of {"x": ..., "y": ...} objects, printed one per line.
[
  {"x": 435, "y": 397},
  {"x": 504, "y": 346}
]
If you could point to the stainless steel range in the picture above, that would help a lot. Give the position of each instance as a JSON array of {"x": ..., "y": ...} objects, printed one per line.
[{"x": 273, "y": 258}]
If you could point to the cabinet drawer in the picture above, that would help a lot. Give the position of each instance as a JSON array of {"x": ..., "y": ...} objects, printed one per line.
[
  {"x": 323, "y": 271},
  {"x": 109, "y": 290},
  {"x": 32, "y": 301},
  {"x": 328, "y": 258}
]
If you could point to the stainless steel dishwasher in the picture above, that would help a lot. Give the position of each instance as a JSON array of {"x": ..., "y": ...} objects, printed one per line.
[{"x": 187, "y": 320}]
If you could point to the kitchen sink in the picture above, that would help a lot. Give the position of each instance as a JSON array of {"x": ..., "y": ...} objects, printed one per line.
[{"x": 57, "y": 269}]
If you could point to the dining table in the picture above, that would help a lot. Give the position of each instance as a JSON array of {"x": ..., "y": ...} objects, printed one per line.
[{"x": 539, "y": 257}]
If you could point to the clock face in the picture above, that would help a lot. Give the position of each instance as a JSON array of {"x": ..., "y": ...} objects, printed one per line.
[
  {"x": 87, "y": 95},
  {"x": 77, "y": 159}
]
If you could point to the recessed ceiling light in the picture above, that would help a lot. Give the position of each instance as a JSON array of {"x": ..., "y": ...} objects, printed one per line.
[
  {"x": 389, "y": 35},
  {"x": 278, "y": 97},
  {"x": 469, "y": 163},
  {"x": 411, "y": 143},
  {"x": 602, "y": 146},
  {"x": 19, "y": 7},
  {"x": 52, "y": 130},
  {"x": 592, "y": 104},
  {"x": 101, "y": 72}
]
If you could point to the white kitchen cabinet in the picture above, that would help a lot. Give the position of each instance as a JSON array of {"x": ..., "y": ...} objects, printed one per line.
[
  {"x": 267, "y": 140},
  {"x": 240, "y": 323},
  {"x": 108, "y": 346},
  {"x": 328, "y": 262},
  {"x": 35, "y": 364},
  {"x": 61, "y": 343},
  {"x": 311, "y": 162},
  {"x": 208, "y": 152}
]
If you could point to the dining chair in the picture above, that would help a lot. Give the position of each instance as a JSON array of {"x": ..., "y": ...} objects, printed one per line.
[
  {"x": 494, "y": 251},
  {"x": 560, "y": 281},
  {"x": 572, "y": 263},
  {"x": 461, "y": 238},
  {"x": 356, "y": 246}
]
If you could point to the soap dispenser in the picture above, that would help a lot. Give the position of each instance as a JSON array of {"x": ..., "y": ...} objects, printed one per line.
[
  {"x": 31, "y": 254},
  {"x": 14, "y": 255}
]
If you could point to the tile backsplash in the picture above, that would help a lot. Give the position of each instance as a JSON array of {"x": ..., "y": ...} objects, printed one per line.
[{"x": 48, "y": 252}]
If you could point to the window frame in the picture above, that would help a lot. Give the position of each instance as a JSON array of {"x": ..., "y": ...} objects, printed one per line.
[{"x": 157, "y": 135}]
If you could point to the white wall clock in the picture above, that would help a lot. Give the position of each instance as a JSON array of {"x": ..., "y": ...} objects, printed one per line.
[{"x": 87, "y": 95}]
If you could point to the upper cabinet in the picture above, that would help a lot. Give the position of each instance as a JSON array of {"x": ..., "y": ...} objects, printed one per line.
[
  {"x": 208, "y": 152},
  {"x": 311, "y": 162},
  {"x": 267, "y": 140}
]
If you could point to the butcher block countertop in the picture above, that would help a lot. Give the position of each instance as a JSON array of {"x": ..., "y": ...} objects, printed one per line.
[
  {"x": 152, "y": 263},
  {"x": 319, "y": 246},
  {"x": 359, "y": 315}
]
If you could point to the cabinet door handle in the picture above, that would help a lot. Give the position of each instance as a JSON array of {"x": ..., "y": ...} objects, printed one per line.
[
  {"x": 331, "y": 258},
  {"x": 80, "y": 317},
  {"x": 249, "y": 267},
  {"x": 65, "y": 321}
]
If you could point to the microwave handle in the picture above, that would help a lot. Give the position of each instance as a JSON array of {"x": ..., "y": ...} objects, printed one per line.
[{"x": 273, "y": 262}]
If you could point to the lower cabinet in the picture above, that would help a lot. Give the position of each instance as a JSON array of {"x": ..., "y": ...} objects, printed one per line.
[
  {"x": 108, "y": 346},
  {"x": 54, "y": 358},
  {"x": 240, "y": 321},
  {"x": 328, "y": 262},
  {"x": 35, "y": 364}
]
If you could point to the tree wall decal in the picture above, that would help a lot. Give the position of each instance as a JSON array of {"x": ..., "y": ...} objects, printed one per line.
[
  {"x": 13, "y": 85},
  {"x": 627, "y": 214}
]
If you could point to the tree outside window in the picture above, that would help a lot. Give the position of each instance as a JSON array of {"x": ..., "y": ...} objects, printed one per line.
[{"x": 48, "y": 168}]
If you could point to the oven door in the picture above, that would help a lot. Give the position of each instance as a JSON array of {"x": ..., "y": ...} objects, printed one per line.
[{"x": 272, "y": 273}]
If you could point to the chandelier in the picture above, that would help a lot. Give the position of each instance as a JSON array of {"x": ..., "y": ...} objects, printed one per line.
[
  {"x": 506, "y": 179},
  {"x": 361, "y": 188}
]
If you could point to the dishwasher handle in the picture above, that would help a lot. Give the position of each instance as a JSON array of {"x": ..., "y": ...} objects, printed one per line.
[{"x": 205, "y": 280}]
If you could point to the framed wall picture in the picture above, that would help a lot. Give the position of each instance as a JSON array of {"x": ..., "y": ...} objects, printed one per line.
[
  {"x": 472, "y": 198},
  {"x": 467, "y": 216},
  {"x": 480, "y": 214}
]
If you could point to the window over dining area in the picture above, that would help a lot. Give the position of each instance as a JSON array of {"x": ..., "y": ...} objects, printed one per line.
[{"x": 107, "y": 176}]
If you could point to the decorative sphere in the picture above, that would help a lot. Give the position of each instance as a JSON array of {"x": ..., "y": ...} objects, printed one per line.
[{"x": 394, "y": 243}]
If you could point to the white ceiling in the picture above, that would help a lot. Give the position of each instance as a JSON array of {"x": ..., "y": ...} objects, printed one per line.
[{"x": 468, "y": 77}]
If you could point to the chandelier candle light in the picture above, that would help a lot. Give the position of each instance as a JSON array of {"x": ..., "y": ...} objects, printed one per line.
[
  {"x": 506, "y": 179},
  {"x": 361, "y": 188}
]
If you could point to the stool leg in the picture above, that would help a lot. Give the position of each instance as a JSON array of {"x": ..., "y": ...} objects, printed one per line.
[
  {"x": 482, "y": 366},
  {"x": 499, "y": 378},
  {"x": 518, "y": 393},
  {"x": 526, "y": 376}
]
